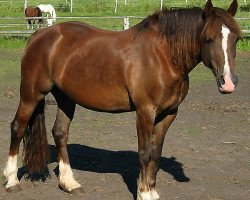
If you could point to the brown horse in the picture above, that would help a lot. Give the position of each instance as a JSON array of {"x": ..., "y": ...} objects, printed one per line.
[
  {"x": 143, "y": 69},
  {"x": 31, "y": 13}
]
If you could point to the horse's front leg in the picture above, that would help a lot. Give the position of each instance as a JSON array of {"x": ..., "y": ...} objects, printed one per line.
[
  {"x": 28, "y": 24},
  {"x": 65, "y": 112},
  {"x": 145, "y": 124},
  {"x": 162, "y": 124},
  {"x": 39, "y": 24}
]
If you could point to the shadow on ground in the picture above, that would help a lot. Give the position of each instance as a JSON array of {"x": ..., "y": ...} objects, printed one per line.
[{"x": 124, "y": 163}]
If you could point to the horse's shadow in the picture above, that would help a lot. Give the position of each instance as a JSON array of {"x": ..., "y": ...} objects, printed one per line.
[{"x": 124, "y": 163}]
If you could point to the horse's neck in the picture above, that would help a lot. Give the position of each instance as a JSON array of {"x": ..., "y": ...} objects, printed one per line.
[{"x": 184, "y": 41}]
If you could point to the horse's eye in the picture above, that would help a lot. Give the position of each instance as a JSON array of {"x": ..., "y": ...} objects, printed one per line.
[{"x": 209, "y": 40}]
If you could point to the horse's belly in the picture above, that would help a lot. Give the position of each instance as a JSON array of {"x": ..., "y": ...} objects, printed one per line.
[{"x": 99, "y": 97}]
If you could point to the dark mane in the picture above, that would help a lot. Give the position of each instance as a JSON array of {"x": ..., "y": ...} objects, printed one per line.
[
  {"x": 167, "y": 19},
  {"x": 182, "y": 29}
]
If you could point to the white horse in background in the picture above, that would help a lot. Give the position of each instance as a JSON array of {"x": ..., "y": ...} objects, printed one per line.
[{"x": 48, "y": 8}]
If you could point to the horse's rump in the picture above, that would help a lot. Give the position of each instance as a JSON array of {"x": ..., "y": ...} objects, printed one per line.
[{"x": 31, "y": 11}]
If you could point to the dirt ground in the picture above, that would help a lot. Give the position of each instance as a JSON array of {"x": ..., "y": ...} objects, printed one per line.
[{"x": 205, "y": 156}]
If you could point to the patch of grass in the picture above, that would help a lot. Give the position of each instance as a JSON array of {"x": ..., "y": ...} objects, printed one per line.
[
  {"x": 9, "y": 72},
  {"x": 63, "y": 7},
  {"x": 13, "y": 42},
  {"x": 245, "y": 8},
  {"x": 8, "y": 66},
  {"x": 200, "y": 74},
  {"x": 244, "y": 44}
]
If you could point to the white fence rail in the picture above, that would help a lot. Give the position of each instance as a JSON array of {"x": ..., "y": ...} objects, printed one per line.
[{"x": 125, "y": 24}]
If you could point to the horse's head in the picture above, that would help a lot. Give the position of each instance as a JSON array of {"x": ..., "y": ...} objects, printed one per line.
[{"x": 218, "y": 47}]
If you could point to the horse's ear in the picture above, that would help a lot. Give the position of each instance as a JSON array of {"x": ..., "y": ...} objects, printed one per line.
[
  {"x": 208, "y": 8},
  {"x": 233, "y": 8}
]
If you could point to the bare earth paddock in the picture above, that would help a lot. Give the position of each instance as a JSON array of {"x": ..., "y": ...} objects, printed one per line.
[{"x": 205, "y": 156}]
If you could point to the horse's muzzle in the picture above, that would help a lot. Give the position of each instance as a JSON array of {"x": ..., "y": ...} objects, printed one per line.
[{"x": 227, "y": 83}]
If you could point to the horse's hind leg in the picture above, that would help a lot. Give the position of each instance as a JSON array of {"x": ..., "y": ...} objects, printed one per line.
[
  {"x": 18, "y": 128},
  {"x": 65, "y": 113}
]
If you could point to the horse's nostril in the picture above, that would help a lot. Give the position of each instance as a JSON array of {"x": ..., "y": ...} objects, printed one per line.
[
  {"x": 221, "y": 80},
  {"x": 235, "y": 80}
]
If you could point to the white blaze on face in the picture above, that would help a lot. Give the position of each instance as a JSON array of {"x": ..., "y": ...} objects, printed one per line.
[
  {"x": 225, "y": 32},
  {"x": 228, "y": 86}
]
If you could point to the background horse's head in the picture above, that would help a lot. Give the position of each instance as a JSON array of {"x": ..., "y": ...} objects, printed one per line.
[{"x": 218, "y": 48}]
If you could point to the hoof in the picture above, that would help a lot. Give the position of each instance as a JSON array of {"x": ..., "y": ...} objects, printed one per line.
[
  {"x": 154, "y": 194},
  {"x": 15, "y": 188},
  {"x": 144, "y": 196},
  {"x": 77, "y": 191}
]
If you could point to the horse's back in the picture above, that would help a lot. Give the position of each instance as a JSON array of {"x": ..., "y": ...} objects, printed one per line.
[
  {"x": 46, "y": 7},
  {"x": 31, "y": 11}
]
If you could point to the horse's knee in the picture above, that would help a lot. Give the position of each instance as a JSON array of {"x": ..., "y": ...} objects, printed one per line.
[
  {"x": 16, "y": 132},
  {"x": 144, "y": 156},
  {"x": 13, "y": 126},
  {"x": 58, "y": 132},
  {"x": 60, "y": 135},
  {"x": 155, "y": 153}
]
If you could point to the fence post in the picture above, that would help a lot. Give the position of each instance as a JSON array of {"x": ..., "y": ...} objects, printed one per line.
[
  {"x": 126, "y": 23},
  {"x": 25, "y": 4},
  {"x": 71, "y": 6},
  {"x": 116, "y": 5},
  {"x": 161, "y": 4}
]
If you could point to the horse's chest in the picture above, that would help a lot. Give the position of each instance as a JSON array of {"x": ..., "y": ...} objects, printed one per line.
[{"x": 176, "y": 94}]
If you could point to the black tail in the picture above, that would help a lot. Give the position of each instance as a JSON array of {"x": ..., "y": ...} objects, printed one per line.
[{"x": 36, "y": 150}]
